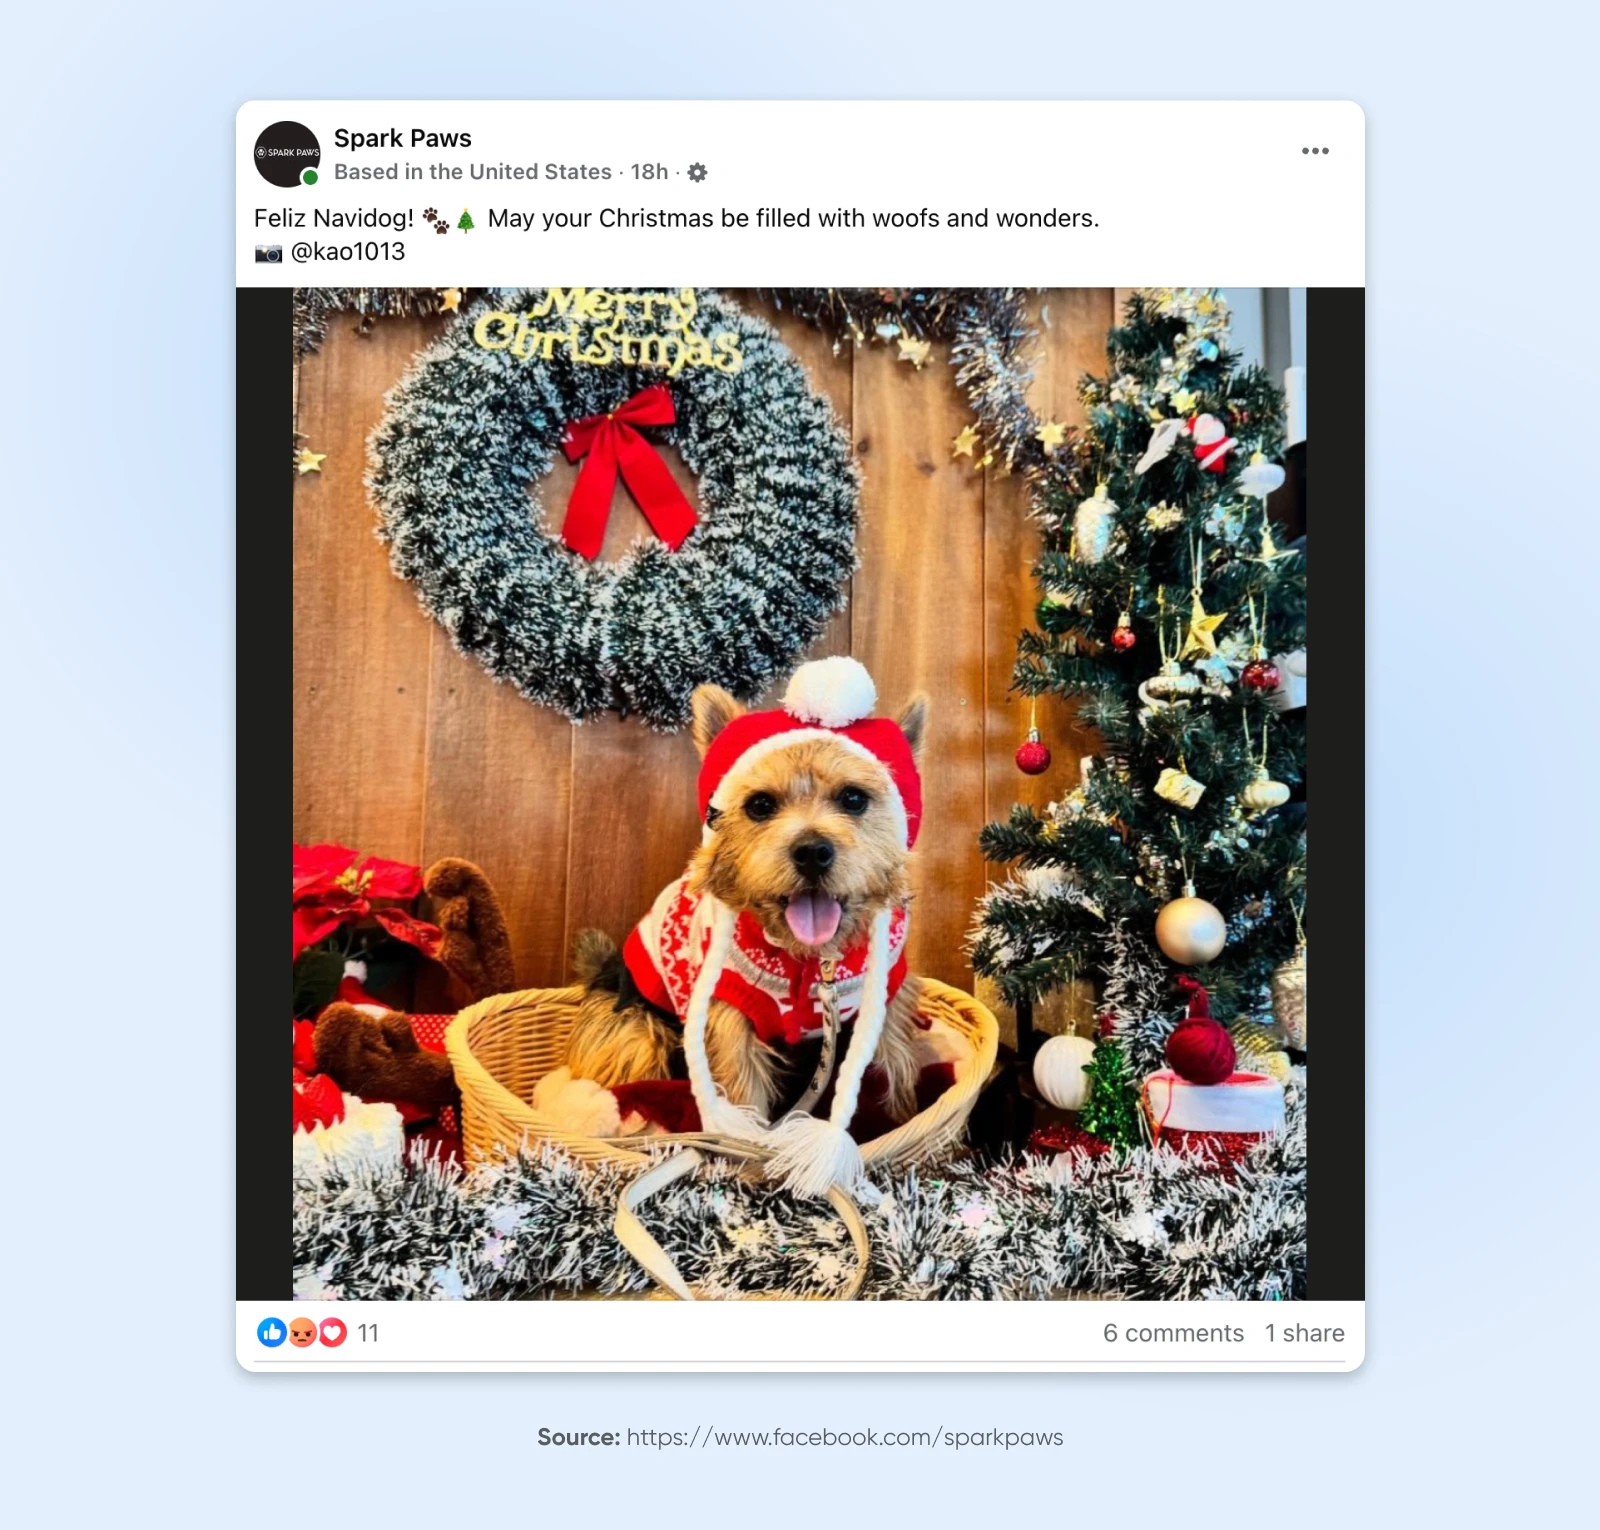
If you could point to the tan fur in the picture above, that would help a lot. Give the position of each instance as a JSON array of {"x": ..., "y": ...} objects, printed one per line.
[
  {"x": 613, "y": 1047},
  {"x": 747, "y": 865}
]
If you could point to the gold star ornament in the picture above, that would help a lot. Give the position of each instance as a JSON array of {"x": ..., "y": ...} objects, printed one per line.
[
  {"x": 308, "y": 461},
  {"x": 1202, "y": 630},
  {"x": 449, "y": 300},
  {"x": 1051, "y": 434},
  {"x": 915, "y": 351},
  {"x": 963, "y": 444}
]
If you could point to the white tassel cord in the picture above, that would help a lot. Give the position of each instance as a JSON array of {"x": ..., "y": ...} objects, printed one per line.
[
  {"x": 717, "y": 1112},
  {"x": 812, "y": 1156}
]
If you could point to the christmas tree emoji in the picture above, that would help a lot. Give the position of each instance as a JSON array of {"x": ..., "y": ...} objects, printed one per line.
[{"x": 466, "y": 220}]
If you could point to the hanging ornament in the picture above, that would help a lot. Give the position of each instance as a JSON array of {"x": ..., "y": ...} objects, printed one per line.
[
  {"x": 1263, "y": 793},
  {"x": 1091, "y": 526},
  {"x": 1058, "y": 1071},
  {"x": 1260, "y": 478},
  {"x": 1260, "y": 1050},
  {"x": 1260, "y": 674},
  {"x": 1124, "y": 637},
  {"x": 1179, "y": 786},
  {"x": 1200, "y": 1051},
  {"x": 1171, "y": 683},
  {"x": 1033, "y": 758},
  {"x": 1202, "y": 634},
  {"x": 1212, "y": 443},
  {"x": 1189, "y": 930},
  {"x": 1289, "y": 992},
  {"x": 1162, "y": 439}
]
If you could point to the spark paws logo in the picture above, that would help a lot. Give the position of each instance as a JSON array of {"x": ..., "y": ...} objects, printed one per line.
[{"x": 287, "y": 154}]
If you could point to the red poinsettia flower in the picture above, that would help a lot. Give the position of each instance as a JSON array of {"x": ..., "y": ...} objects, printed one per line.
[
  {"x": 317, "y": 1101},
  {"x": 334, "y": 885}
]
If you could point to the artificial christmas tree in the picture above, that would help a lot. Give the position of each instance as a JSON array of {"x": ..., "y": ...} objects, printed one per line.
[{"x": 1157, "y": 550}]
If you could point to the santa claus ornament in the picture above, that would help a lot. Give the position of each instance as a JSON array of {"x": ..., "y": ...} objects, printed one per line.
[
  {"x": 1212, "y": 443},
  {"x": 1200, "y": 1051}
]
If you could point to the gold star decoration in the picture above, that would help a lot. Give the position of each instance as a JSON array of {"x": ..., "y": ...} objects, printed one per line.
[
  {"x": 449, "y": 300},
  {"x": 1183, "y": 401},
  {"x": 1202, "y": 630},
  {"x": 308, "y": 461},
  {"x": 964, "y": 443},
  {"x": 915, "y": 351},
  {"x": 1051, "y": 434}
]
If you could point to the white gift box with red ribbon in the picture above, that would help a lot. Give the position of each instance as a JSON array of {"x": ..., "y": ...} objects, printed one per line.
[{"x": 1244, "y": 1102}]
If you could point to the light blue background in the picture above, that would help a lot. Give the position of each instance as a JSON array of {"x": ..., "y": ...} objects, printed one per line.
[{"x": 116, "y": 590}]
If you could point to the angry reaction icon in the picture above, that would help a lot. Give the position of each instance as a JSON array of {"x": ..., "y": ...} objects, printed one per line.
[{"x": 302, "y": 1333}]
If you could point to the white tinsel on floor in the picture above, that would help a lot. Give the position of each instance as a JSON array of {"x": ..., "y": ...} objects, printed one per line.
[{"x": 1154, "y": 1224}]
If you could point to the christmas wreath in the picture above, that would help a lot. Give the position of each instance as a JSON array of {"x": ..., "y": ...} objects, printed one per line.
[{"x": 609, "y": 376}]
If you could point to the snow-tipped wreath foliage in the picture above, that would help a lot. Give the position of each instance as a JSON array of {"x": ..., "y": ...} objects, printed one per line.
[
  {"x": 456, "y": 465},
  {"x": 1148, "y": 1223}
]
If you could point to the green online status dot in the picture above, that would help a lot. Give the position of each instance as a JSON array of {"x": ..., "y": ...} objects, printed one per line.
[{"x": 308, "y": 177}]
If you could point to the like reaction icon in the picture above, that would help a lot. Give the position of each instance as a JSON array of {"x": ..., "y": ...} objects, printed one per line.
[{"x": 271, "y": 1332}]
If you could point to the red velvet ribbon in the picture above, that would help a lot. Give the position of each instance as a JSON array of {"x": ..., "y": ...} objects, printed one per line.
[{"x": 611, "y": 443}]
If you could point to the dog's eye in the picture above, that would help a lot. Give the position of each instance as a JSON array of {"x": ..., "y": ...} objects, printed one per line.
[
  {"x": 854, "y": 801},
  {"x": 760, "y": 806}
]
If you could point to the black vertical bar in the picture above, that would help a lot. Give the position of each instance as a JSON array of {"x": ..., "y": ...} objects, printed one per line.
[
  {"x": 264, "y": 503},
  {"x": 1336, "y": 522}
]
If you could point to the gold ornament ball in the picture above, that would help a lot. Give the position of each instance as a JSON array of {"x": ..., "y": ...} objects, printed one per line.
[{"x": 1190, "y": 930}]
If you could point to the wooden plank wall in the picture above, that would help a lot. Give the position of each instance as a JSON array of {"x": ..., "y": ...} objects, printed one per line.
[{"x": 405, "y": 749}]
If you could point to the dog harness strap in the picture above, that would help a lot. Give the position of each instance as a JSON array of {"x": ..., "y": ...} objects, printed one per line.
[{"x": 822, "y": 1076}]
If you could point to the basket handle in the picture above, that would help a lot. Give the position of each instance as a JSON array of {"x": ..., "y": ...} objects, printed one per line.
[{"x": 655, "y": 1260}]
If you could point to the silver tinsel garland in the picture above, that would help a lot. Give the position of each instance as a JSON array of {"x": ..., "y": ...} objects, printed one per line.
[
  {"x": 1153, "y": 1223},
  {"x": 456, "y": 465}
]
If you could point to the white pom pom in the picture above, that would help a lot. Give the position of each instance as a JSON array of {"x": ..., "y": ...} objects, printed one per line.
[
  {"x": 833, "y": 692},
  {"x": 577, "y": 1104},
  {"x": 814, "y": 1155}
]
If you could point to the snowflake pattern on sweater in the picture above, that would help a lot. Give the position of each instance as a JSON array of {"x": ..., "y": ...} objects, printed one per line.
[{"x": 775, "y": 991}]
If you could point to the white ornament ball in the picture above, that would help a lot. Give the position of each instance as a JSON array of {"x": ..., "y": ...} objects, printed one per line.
[
  {"x": 1190, "y": 930},
  {"x": 1091, "y": 526},
  {"x": 1058, "y": 1071}
]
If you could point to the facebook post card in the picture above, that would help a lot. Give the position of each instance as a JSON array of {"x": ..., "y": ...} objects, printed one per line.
[{"x": 789, "y": 667}]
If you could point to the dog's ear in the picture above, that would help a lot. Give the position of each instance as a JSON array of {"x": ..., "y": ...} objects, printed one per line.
[
  {"x": 713, "y": 710},
  {"x": 913, "y": 720}
]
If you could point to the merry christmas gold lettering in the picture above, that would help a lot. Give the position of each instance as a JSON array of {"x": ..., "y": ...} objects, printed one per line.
[{"x": 586, "y": 329}]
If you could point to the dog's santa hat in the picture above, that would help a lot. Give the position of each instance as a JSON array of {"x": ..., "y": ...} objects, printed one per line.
[
  {"x": 827, "y": 698},
  {"x": 834, "y": 699}
]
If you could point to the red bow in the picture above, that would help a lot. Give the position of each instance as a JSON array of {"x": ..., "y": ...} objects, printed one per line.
[{"x": 612, "y": 442}]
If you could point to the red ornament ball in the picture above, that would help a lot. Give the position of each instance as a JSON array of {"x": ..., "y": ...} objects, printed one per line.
[
  {"x": 1200, "y": 1051},
  {"x": 1260, "y": 675},
  {"x": 1033, "y": 758},
  {"x": 1123, "y": 639}
]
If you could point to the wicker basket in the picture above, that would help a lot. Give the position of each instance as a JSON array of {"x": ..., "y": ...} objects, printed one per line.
[{"x": 501, "y": 1047}]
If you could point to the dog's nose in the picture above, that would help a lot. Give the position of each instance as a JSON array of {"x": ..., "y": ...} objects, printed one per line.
[{"x": 812, "y": 857}]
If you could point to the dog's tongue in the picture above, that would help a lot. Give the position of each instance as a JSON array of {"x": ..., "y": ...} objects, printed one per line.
[{"x": 813, "y": 917}]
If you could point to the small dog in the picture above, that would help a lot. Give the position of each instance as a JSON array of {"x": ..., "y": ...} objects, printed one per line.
[{"x": 790, "y": 919}]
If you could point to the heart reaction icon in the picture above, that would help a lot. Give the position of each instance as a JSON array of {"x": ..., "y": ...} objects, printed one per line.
[{"x": 333, "y": 1332}]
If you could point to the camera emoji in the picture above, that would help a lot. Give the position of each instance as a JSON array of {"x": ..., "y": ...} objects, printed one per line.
[{"x": 269, "y": 254}]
